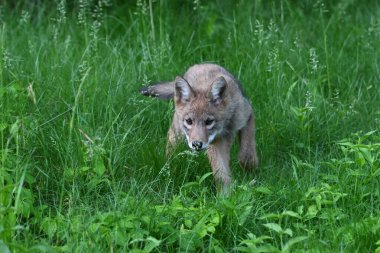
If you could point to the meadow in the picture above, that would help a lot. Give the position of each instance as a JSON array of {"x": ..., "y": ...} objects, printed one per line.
[{"x": 82, "y": 153}]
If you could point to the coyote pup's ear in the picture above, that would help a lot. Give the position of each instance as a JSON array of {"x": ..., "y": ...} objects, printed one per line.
[
  {"x": 217, "y": 89},
  {"x": 183, "y": 91}
]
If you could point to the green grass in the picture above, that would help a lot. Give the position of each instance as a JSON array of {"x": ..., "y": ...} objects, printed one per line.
[{"x": 83, "y": 166}]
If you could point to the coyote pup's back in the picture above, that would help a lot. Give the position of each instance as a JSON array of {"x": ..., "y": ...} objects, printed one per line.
[{"x": 209, "y": 110}]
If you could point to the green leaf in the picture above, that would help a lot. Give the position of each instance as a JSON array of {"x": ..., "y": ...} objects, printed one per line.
[
  {"x": 360, "y": 160},
  {"x": 267, "y": 248},
  {"x": 289, "y": 232},
  {"x": 189, "y": 185},
  {"x": 4, "y": 248},
  {"x": 293, "y": 241},
  {"x": 188, "y": 223},
  {"x": 99, "y": 167},
  {"x": 377, "y": 250},
  {"x": 3, "y": 126},
  {"x": 244, "y": 215},
  {"x": 312, "y": 212},
  {"x": 256, "y": 240},
  {"x": 211, "y": 229},
  {"x": 40, "y": 248},
  {"x": 68, "y": 174},
  {"x": 151, "y": 243},
  {"x": 376, "y": 173},
  {"x": 204, "y": 177},
  {"x": 367, "y": 155},
  {"x": 84, "y": 170},
  {"x": 264, "y": 190},
  {"x": 274, "y": 227},
  {"x": 318, "y": 201},
  {"x": 49, "y": 226},
  {"x": 291, "y": 214},
  {"x": 274, "y": 216},
  {"x": 215, "y": 219}
]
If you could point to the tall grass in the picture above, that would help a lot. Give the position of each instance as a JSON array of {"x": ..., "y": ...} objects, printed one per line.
[{"x": 83, "y": 166}]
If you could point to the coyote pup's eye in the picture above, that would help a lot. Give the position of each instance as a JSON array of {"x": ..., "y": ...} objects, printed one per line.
[
  {"x": 209, "y": 122},
  {"x": 189, "y": 121}
]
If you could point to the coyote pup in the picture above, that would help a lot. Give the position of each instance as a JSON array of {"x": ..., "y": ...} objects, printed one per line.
[{"x": 209, "y": 110}]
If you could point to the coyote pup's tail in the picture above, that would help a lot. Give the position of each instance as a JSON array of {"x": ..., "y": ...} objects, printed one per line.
[{"x": 160, "y": 90}]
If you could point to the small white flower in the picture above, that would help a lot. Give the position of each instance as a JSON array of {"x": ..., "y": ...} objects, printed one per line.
[{"x": 313, "y": 60}]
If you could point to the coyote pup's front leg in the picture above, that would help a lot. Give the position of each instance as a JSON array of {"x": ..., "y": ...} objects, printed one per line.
[
  {"x": 174, "y": 134},
  {"x": 247, "y": 153},
  {"x": 219, "y": 156}
]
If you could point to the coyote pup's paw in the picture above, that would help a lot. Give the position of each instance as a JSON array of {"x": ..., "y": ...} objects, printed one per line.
[{"x": 248, "y": 160}]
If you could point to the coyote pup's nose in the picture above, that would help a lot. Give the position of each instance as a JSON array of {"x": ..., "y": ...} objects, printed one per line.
[{"x": 197, "y": 145}]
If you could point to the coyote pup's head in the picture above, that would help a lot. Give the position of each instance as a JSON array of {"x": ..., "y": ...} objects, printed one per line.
[{"x": 201, "y": 113}]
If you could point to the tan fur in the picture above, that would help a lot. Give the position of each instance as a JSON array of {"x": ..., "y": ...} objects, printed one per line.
[{"x": 209, "y": 110}]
